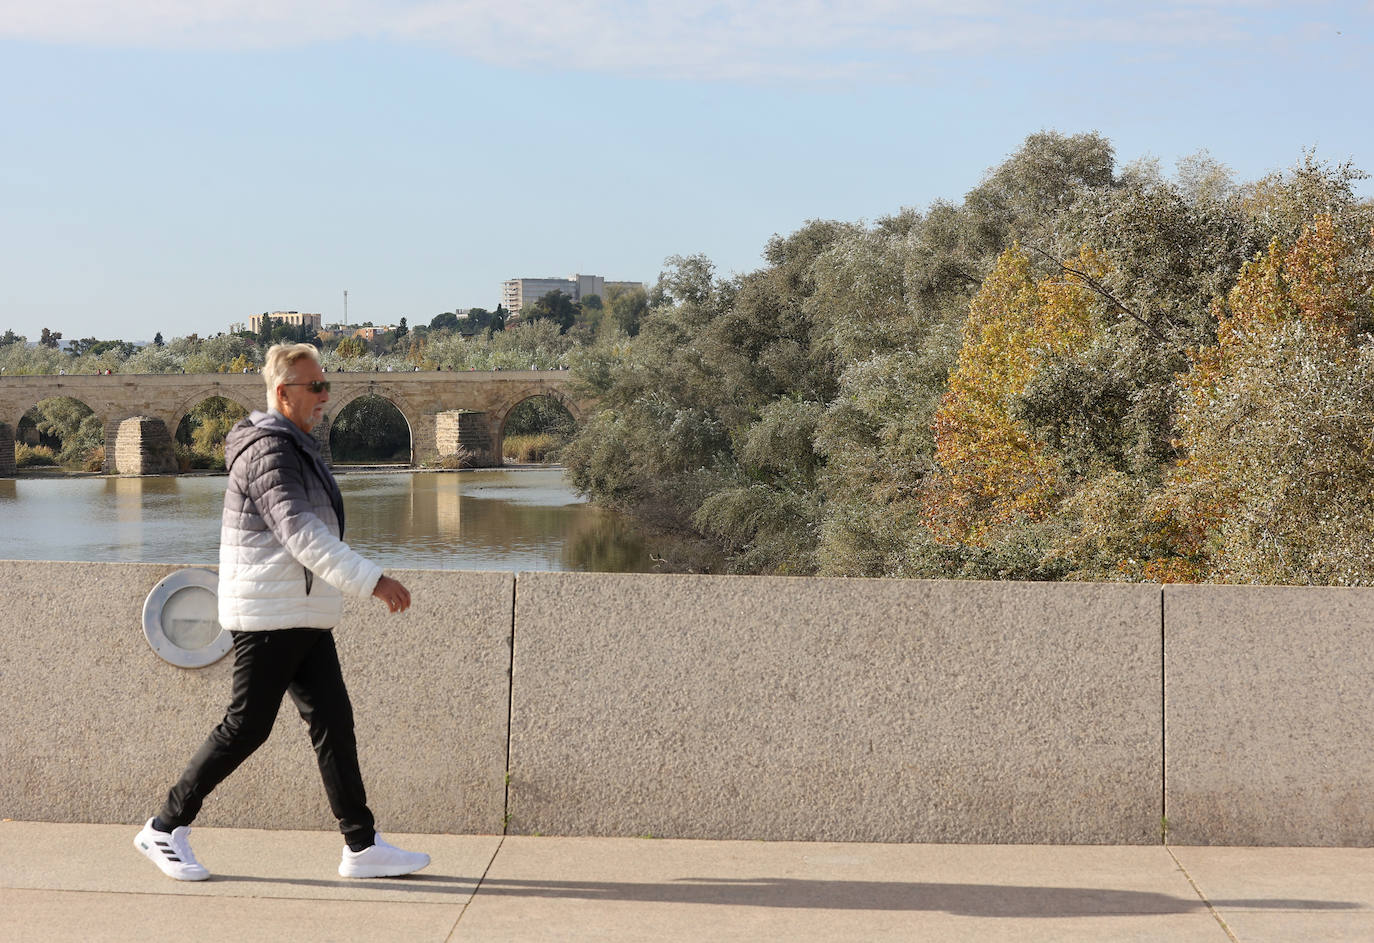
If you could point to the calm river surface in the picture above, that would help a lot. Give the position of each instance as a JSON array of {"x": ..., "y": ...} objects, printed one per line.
[{"x": 480, "y": 520}]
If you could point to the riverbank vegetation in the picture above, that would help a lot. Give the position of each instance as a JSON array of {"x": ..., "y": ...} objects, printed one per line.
[{"x": 1080, "y": 371}]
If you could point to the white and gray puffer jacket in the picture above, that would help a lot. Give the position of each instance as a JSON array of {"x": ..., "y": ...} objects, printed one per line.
[{"x": 282, "y": 563}]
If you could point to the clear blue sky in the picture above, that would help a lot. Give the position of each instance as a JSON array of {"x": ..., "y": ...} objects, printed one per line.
[{"x": 178, "y": 166}]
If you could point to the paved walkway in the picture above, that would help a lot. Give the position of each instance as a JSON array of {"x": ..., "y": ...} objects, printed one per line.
[{"x": 86, "y": 883}]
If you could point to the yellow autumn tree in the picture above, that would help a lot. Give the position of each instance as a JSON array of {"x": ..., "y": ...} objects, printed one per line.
[
  {"x": 351, "y": 348},
  {"x": 1276, "y": 422},
  {"x": 991, "y": 470}
]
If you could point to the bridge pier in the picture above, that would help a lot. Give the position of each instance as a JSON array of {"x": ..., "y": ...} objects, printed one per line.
[
  {"x": 424, "y": 443},
  {"x": 6, "y": 451},
  {"x": 321, "y": 436},
  {"x": 110, "y": 467},
  {"x": 465, "y": 433},
  {"x": 144, "y": 448}
]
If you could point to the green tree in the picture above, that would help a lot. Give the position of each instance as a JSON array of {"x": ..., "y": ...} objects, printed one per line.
[
  {"x": 627, "y": 307},
  {"x": 894, "y": 322},
  {"x": 154, "y": 359},
  {"x": 50, "y": 339},
  {"x": 202, "y": 432},
  {"x": 445, "y": 321},
  {"x": 218, "y": 354},
  {"x": 66, "y": 425},
  {"x": 707, "y": 416},
  {"x": 351, "y": 348},
  {"x": 556, "y": 307}
]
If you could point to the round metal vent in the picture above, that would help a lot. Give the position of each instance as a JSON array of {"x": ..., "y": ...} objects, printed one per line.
[{"x": 181, "y": 619}]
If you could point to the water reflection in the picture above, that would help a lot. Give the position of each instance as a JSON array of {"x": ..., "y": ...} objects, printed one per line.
[
  {"x": 527, "y": 520},
  {"x": 492, "y": 520}
]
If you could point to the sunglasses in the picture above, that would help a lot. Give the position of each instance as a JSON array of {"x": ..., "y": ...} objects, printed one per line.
[{"x": 316, "y": 386}]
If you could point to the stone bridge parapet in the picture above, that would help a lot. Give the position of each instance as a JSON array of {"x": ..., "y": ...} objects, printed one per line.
[{"x": 420, "y": 396}]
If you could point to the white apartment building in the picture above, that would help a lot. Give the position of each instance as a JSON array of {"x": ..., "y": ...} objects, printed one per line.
[
  {"x": 518, "y": 292},
  {"x": 294, "y": 318}
]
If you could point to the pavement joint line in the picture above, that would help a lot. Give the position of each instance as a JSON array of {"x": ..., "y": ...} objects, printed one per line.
[
  {"x": 476, "y": 888},
  {"x": 1202, "y": 897}
]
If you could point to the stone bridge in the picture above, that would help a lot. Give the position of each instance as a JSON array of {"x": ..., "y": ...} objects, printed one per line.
[{"x": 446, "y": 411}]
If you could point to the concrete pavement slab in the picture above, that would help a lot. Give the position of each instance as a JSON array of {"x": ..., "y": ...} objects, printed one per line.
[
  {"x": 1278, "y": 895},
  {"x": 242, "y": 863},
  {"x": 589, "y": 889},
  {"x": 36, "y": 916},
  {"x": 63, "y": 882}
]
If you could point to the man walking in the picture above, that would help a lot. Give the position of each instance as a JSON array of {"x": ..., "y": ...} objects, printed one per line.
[{"x": 282, "y": 571}]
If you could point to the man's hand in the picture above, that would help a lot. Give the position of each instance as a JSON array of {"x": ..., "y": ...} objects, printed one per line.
[{"x": 396, "y": 596}]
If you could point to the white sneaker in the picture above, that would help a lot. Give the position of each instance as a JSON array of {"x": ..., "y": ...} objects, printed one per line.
[
  {"x": 171, "y": 851},
  {"x": 380, "y": 861}
]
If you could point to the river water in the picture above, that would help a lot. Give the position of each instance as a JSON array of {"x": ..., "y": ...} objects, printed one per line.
[{"x": 513, "y": 519}]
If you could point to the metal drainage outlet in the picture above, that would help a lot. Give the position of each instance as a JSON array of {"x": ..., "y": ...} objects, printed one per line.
[{"x": 181, "y": 619}]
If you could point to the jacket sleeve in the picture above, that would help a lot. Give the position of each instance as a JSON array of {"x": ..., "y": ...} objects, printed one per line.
[{"x": 276, "y": 485}]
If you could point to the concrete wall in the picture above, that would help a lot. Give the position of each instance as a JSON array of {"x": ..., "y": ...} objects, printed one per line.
[
  {"x": 870, "y": 710},
  {"x": 689, "y": 706},
  {"x": 94, "y": 727},
  {"x": 1269, "y": 715}
]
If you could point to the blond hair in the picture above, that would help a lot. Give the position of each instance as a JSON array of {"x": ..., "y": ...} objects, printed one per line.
[{"x": 279, "y": 366}]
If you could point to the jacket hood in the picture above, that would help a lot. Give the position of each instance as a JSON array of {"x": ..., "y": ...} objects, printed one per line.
[{"x": 260, "y": 424}]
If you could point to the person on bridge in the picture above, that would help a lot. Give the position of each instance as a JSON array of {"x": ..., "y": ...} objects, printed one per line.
[{"x": 282, "y": 571}]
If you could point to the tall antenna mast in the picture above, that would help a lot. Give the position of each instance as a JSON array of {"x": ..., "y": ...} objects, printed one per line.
[{"x": 345, "y": 305}]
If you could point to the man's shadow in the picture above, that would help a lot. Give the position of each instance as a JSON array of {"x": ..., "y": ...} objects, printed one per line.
[{"x": 969, "y": 900}]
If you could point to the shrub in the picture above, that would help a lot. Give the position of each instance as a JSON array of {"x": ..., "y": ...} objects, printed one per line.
[
  {"x": 531, "y": 448},
  {"x": 463, "y": 458},
  {"x": 30, "y": 456},
  {"x": 190, "y": 459}
]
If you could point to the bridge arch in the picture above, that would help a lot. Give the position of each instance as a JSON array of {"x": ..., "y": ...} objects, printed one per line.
[
  {"x": 199, "y": 394},
  {"x": 21, "y": 433},
  {"x": 501, "y": 414},
  {"x": 326, "y": 434},
  {"x": 206, "y": 450},
  {"x": 502, "y": 411}
]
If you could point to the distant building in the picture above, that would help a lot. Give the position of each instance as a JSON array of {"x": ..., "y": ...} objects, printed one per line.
[
  {"x": 294, "y": 318},
  {"x": 371, "y": 333},
  {"x": 518, "y": 292}
]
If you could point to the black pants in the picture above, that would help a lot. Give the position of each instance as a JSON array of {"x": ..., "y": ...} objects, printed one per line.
[{"x": 266, "y": 666}]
